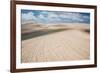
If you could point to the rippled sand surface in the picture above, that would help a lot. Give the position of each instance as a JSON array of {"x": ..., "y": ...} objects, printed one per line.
[{"x": 55, "y": 43}]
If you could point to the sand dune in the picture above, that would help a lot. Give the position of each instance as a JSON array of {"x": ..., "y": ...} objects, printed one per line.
[{"x": 70, "y": 44}]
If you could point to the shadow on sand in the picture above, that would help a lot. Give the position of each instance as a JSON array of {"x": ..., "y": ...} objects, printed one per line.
[
  {"x": 87, "y": 30},
  {"x": 38, "y": 33}
]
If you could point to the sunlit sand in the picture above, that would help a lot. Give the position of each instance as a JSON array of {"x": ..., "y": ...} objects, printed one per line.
[{"x": 49, "y": 43}]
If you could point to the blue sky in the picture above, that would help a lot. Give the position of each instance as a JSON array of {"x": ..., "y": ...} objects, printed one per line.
[{"x": 46, "y": 17}]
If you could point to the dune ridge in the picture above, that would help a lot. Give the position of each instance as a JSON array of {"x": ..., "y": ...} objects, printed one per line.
[{"x": 72, "y": 43}]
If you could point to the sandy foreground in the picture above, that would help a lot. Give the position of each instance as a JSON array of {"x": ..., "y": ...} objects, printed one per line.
[{"x": 71, "y": 43}]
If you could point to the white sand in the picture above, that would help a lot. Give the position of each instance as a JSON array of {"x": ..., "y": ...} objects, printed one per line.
[{"x": 61, "y": 46}]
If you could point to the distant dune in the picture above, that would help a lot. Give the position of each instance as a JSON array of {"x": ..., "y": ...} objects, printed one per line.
[
  {"x": 34, "y": 27},
  {"x": 30, "y": 27},
  {"x": 58, "y": 42}
]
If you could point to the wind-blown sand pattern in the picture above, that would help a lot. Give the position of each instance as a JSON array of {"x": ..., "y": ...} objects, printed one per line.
[{"x": 55, "y": 42}]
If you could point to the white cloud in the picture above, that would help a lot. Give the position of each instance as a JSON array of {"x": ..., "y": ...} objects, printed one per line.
[
  {"x": 72, "y": 16},
  {"x": 41, "y": 16},
  {"x": 86, "y": 17},
  {"x": 28, "y": 17},
  {"x": 53, "y": 17}
]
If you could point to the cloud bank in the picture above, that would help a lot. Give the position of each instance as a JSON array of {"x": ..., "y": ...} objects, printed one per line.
[{"x": 45, "y": 17}]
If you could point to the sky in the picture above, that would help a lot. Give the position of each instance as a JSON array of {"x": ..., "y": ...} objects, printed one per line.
[{"x": 46, "y": 17}]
